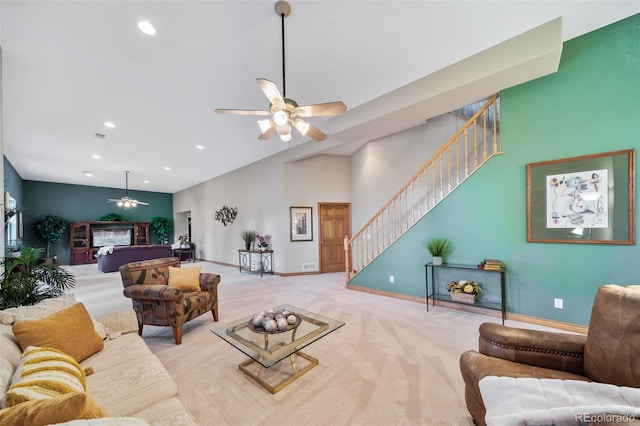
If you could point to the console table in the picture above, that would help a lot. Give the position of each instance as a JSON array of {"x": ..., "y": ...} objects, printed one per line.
[
  {"x": 492, "y": 281},
  {"x": 256, "y": 261}
]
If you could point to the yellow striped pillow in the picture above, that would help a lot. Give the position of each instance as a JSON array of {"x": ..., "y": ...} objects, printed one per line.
[{"x": 45, "y": 373}]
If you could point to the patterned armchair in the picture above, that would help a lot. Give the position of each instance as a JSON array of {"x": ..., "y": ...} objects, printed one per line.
[{"x": 156, "y": 303}]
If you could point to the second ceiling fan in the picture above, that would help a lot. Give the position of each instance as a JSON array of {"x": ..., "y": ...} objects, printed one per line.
[{"x": 286, "y": 113}]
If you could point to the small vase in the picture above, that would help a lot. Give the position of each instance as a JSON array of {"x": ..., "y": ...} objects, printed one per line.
[
  {"x": 437, "y": 260},
  {"x": 247, "y": 246}
]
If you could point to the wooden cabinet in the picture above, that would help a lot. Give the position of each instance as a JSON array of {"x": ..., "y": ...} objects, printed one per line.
[
  {"x": 140, "y": 234},
  {"x": 83, "y": 248},
  {"x": 80, "y": 243}
]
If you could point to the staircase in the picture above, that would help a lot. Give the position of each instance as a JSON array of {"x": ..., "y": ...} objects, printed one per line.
[{"x": 469, "y": 148}]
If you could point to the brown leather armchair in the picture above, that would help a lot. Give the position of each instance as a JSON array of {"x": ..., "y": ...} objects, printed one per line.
[
  {"x": 156, "y": 303},
  {"x": 609, "y": 353}
]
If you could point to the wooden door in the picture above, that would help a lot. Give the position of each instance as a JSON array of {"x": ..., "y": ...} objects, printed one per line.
[{"x": 334, "y": 225}]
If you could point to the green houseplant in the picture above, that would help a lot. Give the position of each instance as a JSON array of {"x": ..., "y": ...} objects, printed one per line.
[
  {"x": 438, "y": 248},
  {"x": 249, "y": 237},
  {"x": 112, "y": 217},
  {"x": 161, "y": 228},
  {"x": 50, "y": 229},
  {"x": 27, "y": 281}
]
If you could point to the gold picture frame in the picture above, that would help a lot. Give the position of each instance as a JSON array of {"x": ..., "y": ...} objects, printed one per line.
[{"x": 588, "y": 199}]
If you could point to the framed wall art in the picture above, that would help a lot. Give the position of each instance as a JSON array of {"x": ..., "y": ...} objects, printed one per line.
[
  {"x": 301, "y": 223},
  {"x": 587, "y": 199}
]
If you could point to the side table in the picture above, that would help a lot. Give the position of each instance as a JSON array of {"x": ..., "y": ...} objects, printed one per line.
[
  {"x": 256, "y": 261},
  {"x": 184, "y": 254}
]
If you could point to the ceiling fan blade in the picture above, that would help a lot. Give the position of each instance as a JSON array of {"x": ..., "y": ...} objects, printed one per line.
[
  {"x": 316, "y": 134},
  {"x": 272, "y": 92},
  {"x": 268, "y": 133},
  {"x": 113, "y": 200},
  {"x": 242, "y": 111},
  {"x": 329, "y": 108},
  {"x": 140, "y": 202},
  {"x": 308, "y": 129}
]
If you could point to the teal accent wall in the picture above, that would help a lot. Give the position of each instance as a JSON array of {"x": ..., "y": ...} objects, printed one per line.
[
  {"x": 77, "y": 203},
  {"x": 591, "y": 105}
]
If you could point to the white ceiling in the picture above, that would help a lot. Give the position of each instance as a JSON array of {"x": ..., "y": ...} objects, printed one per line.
[{"x": 69, "y": 66}]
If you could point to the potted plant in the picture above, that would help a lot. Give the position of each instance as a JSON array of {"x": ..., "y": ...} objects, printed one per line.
[
  {"x": 112, "y": 217},
  {"x": 50, "y": 229},
  {"x": 26, "y": 281},
  {"x": 249, "y": 237},
  {"x": 438, "y": 247},
  {"x": 161, "y": 228},
  {"x": 465, "y": 291},
  {"x": 263, "y": 241}
]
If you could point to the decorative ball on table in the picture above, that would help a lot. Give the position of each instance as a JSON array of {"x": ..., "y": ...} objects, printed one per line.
[{"x": 274, "y": 321}]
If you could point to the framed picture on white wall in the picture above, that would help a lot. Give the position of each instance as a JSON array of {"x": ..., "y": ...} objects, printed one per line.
[{"x": 301, "y": 223}]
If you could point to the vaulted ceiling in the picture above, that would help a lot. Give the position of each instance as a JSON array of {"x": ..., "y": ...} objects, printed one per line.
[{"x": 70, "y": 66}]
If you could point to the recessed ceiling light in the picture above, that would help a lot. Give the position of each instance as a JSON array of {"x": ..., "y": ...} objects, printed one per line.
[
  {"x": 167, "y": 168},
  {"x": 199, "y": 147},
  {"x": 146, "y": 181},
  {"x": 146, "y": 27},
  {"x": 109, "y": 124},
  {"x": 96, "y": 156},
  {"x": 86, "y": 173}
]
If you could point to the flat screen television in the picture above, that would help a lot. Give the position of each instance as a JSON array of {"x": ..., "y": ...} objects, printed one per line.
[{"x": 111, "y": 237}]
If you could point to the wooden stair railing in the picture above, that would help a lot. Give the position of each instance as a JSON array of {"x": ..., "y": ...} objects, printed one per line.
[{"x": 469, "y": 148}]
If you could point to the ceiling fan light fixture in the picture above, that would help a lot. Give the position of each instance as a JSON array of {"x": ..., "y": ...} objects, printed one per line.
[
  {"x": 280, "y": 118},
  {"x": 284, "y": 129},
  {"x": 286, "y": 137},
  {"x": 146, "y": 27},
  {"x": 127, "y": 202},
  {"x": 264, "y": 125},
  {"x": 302, "y": 126}
]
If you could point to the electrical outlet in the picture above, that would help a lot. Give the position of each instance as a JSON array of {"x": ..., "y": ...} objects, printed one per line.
[
  {"x": 558, "y": 303},
  {"x": 392, "y": 279}
]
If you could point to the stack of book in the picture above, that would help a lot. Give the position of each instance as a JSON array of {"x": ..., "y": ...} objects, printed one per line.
[{"x": 491, "y": 265}]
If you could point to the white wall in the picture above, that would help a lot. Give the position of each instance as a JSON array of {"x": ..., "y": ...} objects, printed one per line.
[
  {"x": 263, "y": 193},
  {"x": 381, "y": 167},
  {"x": 324, "y": 178}
]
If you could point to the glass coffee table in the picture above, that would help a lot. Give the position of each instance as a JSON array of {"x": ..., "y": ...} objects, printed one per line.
[{"x": 267, "y": 349}]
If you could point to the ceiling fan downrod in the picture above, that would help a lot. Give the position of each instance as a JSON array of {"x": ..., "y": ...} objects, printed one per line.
[
  {"x": 283, "y": 9},
  {"x": 126, "y": 183}
]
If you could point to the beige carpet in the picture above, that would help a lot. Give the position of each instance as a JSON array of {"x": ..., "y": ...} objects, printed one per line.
[{"x": 393, "y": 363}]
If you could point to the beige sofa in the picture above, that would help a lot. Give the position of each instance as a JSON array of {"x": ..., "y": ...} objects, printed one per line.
[{"x": 127, "y": 380}]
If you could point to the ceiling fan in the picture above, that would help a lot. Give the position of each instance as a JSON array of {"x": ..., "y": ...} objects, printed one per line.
[
  {"x": 285, "y": 112},
  {"x": 126, "y": 202}
]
